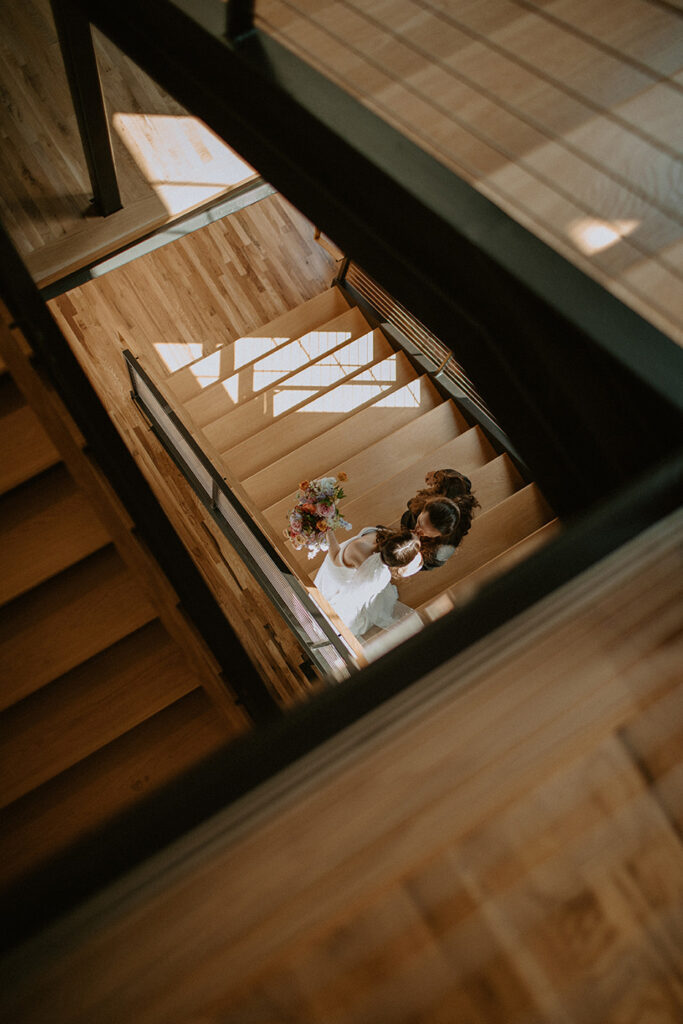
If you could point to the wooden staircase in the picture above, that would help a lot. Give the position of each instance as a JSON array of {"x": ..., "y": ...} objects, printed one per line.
[
  {"x": 318, "y": 391},
  {"x": 100, "y": 704}
]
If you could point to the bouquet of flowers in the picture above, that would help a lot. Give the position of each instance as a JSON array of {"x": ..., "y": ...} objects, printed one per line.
[{"x": 315, "y": 513}]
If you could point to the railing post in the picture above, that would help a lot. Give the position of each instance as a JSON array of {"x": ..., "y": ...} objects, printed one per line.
[
  {"x": 80, "y": 64},
  {"x": 239, "y": 19}
]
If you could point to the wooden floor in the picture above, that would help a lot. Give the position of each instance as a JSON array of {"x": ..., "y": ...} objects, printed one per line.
[
  {"x": 167, "y": 162},
  {"x": 171, "y": 306},
  {"x": 500, "y": 845},
  {"x": 565, "y": 113}
]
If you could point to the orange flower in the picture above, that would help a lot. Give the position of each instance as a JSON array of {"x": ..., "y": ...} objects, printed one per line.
[
  {"x": 308, "y": 507},
  {"x": 342, "y": 477},
  {"x": 304, "y": 485},
  {"x": 321, "y": 525}
]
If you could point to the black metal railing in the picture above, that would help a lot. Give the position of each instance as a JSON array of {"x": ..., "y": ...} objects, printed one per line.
[
  {"x": 328, "y": 651},
  {"x": 423, "y": 346},
  {"x": 395, "y": 314}
]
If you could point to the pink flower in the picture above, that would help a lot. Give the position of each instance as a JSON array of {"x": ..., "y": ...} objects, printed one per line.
[{"x": 324, "y": 508}]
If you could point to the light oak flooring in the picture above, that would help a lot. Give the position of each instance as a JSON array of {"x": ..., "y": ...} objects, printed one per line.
[
  {"x": 167, "y": 162},
  {"x": 565, "y": 113},
  {"x": 501, "y": 845}
]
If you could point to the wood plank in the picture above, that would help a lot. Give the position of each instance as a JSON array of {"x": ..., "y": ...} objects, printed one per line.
[
  {"x": 55, "y": 815},
  {"x": 526, "y": 874},
  {"x": 46, "y": 525},
  {"x": 188, "y": 381},
  {"x": 66, "y": 620},
  {"x": 319, "y": 392},
  {"x": 546, "y": 121},
  {"x": 25, "y": 448},
  {"x": 464, "y": 590},
  {"x": 639, "y": 31},
  {"x": 655, "y": 738},
  {"x": 256, "y": 378},
  {"x": 89, "y": 707},
  {"x": 358, "y": 430}
]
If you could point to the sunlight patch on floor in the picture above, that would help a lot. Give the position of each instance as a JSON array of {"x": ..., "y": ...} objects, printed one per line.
[
  {"x": 180, "y": 158},
  {"x": 178, "y": 354},
  {"x": 231, "y": 386},
  {"x": 340, "y": 363},
  {"x": 206, "y": 371},
  {"x": 346, "y": 397},
  {"x": 283, "y": 401},
  {"x": 283, "y": 361},
  {"x": 246, "y": 350},
  {"x": 385, "y": 371},
  {"x": 590, "y": 235},
  {"x": 231, "y": 358},
  {"x": 407, "y": 397}
]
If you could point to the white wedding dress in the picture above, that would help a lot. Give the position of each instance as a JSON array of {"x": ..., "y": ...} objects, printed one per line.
[{"x": 362, "y": 597}]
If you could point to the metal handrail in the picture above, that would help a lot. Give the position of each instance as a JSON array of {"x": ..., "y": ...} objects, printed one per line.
[{"x": 329, "y": 651}]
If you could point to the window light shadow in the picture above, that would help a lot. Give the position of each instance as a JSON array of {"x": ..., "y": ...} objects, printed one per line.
[
  {"x": 290, "y": 357},
  {"x": 180, "y": 158},
  {"x": 407, "y": 397},
  {"x": 324, "y": 373},
  {"x": 591, "y": 235},
  {"x": 175, "y": 355},
  {"x": 346, "y": 397},
  {"x": 369, "y": 384},
  {"x": 246, "y": 350},
  {"x": 210, "y": 369}
]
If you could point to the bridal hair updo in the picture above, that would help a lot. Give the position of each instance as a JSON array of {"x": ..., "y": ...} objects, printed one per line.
[
  {"x": 450, "y": 505},
  {"x": 397, "y": 548}
]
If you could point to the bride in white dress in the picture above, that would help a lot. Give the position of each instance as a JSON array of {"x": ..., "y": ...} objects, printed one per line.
[{"x": 356, "y": 576}]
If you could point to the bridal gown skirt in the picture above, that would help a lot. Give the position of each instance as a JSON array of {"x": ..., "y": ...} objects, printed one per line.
[{"x": 362, "y": 597}]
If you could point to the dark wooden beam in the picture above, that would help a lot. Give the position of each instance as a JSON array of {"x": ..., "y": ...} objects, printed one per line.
[
  {"x": 240, "y": 19},
  {"x": 80, "y": 63}
]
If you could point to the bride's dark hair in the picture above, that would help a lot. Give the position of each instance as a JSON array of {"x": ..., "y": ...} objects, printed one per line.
[
  {"x": 396, "y": 547},
  {"x": 446, "y": 483},
  {"x": 450, "y": 503}
]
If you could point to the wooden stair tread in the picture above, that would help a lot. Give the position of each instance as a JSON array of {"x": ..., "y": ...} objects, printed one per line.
[
  {"x": 46, "y": 525},
  {"x": 259, "y": 375},
  {"x": 356, "y": 385},
  {"x": 494, "y": 482},
  {"x": 186, "y": 383},
  {"x": 52, "y": 817},
  {"x": 414, "y": 440},
  {"x": 25, "y": 448},
  {"x": 66, "y": 620},
  {"x": 466, "y": 587},
  {"x": 400, "y": 406},
  {"x": 491, "y": 534},
  {"x": 89, "y": 707}
]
